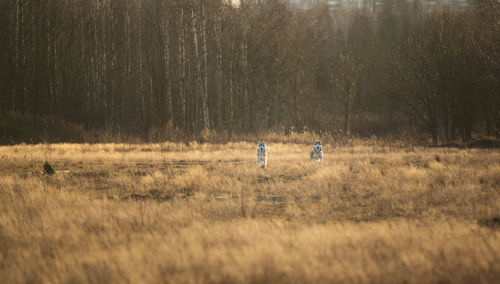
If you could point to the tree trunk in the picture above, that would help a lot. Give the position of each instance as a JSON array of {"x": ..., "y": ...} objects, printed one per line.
[
  {"x": 219, "y": 47},
  {"x": 244, "y": 115},
  {"x": 206, "y": 116},
  {"x": 141, "y": 82},
  {"x": 199, "y": 81},
  {"x": 50, "y": 58},
  {"x": 346, "y": 109},
  {"x": 182, "y": 64},
  {"x": 166, "y": 52},
  {"x": 231, "y": 87}
]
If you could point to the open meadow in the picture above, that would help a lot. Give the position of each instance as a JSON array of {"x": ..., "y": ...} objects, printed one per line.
[{"x": 177, "y": 213}]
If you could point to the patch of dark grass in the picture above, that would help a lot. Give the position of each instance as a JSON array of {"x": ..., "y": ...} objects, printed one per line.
[
  {"x": 48, "y": 169},
  {"x": 492, "y": 222}
]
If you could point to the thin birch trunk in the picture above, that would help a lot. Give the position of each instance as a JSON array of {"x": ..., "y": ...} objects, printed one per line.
[
  {"x": 199, "y": 83},
  {"x": 206, "y": 116},
  {"x": 50, "y": 58},
  {"x": 166, "y": 42},
  {"x": 182, "y": 64},
  {"x": 244, "y": 58},
  {"x": 231, "y": 86},
  {"x": 139, "y": 54},
  {"x": 219, "y": 47}
]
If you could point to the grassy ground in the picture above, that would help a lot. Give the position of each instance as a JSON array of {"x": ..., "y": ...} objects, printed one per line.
[{"x": 206, "y": 213}]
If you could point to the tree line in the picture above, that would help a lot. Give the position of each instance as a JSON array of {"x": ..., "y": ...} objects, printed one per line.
[{"x": 155, "y": 68}]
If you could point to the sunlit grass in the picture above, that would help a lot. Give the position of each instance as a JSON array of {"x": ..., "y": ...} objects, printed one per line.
[{"x": 170, "y": 212}]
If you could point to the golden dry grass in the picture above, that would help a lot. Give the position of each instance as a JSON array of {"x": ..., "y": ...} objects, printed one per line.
[{"x": 206, "y": 213}]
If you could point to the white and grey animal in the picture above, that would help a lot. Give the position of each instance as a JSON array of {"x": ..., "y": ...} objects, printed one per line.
[
  {"x": 317, "y": 153},
  {"x": 261, "y": 154}
]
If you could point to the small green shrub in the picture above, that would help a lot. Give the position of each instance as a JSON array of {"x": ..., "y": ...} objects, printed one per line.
[{"x": 48, "y": 168}]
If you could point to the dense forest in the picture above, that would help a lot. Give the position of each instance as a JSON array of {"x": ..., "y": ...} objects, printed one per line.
[{"x": 159, "y": 70}]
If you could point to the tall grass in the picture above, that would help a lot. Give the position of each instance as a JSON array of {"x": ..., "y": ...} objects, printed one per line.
[{"x": 373, "y": 212}]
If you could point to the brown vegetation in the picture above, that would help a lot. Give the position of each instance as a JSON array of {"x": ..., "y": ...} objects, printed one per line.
[
  {"x": 158, "y": 70},
  {"x": 206, "y": 213}
]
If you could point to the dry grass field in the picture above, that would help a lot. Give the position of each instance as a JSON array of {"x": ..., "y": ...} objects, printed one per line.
[{"x": 120, "y": 213}]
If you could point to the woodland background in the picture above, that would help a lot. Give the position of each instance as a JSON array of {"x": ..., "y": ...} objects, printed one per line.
[{"x": 73, "y": 71}]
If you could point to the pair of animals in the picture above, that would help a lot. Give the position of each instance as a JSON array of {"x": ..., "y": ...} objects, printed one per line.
[{"x": 316, "y": 154}]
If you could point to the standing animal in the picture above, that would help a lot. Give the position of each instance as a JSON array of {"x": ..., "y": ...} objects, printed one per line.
[
  {"x": 261, "y": 154},
  {"x": 317, "y": 152}
]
